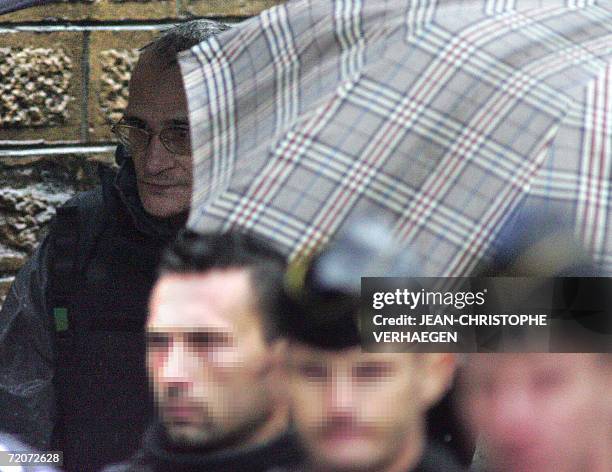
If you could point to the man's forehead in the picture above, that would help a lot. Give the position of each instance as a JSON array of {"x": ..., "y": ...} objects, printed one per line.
[
  {"x": 150, "y": 64},
  {"x": 354, "y": 355},
  {"x": 147, "y": 79},
  {"x": 217, "y": 298},
  {"x": 188, "y": 329},
  {"x": 156, "y": 91},
  {"x": 515, "y": 363},
  {"x": 180, "y": 120}
]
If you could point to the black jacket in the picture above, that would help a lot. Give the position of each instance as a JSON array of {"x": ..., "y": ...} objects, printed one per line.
[
  {"x": 156, "y": 455},
  {"x": 72, "y": 350},
  {"x": 435, "y": 458}
]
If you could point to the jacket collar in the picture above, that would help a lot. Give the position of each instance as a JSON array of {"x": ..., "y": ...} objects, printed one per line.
[{"x": 158, "y": 452}]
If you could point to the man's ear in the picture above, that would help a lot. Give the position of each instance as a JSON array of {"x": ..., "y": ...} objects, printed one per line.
[{"x": 437, "y": 374}]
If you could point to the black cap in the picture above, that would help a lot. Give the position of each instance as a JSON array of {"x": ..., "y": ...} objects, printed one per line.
[{"x": 322, "y": 294}]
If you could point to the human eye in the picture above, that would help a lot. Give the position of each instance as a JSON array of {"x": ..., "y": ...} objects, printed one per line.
[
  {"x": 182, "y": 131},
  {"x": 208, "y": 340},
  {"x": 372, "y": 371},
  {"x": 157, "y": 342},
  {"x": 547, "y": 380},
  {"x": 176, "y": 139},
  {"x": 132, "y": 135},
  {"x": 177, "y": 133},
  {"x": 312, "y": 371},
  {"x": 134, "y": 122}
]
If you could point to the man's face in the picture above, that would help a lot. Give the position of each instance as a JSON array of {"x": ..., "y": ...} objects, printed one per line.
[
  {"x": 157, "y": 101},
  {"x": 539, "y": 412},
  {"x": 211, "y": 369},
  {"x": 356, "y": 411}
]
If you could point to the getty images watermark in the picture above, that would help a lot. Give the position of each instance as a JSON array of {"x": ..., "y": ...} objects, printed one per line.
[{"x": 494, "y": 314}]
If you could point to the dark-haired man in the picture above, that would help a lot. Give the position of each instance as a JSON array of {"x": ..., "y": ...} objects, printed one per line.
[
  {"x": 355, "y": 411},
  {"x": 72, "y": 348},
  {"x": 214, "y": 360},
  {"x": 358, "y": 411}
]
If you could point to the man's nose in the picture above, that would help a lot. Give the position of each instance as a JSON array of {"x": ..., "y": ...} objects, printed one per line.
[
  {"x": 340, "y": 395},
  {"x": 176, "y": 370},
  {"x": 513, "y": 416},
  {"x": 157, "y": 157}
]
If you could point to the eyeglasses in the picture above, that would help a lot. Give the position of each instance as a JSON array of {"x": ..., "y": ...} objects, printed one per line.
[{"x": 174, "y": 138}]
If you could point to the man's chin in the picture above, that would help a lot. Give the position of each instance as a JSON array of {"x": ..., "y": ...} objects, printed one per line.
[
  {"x": 339, "y": 464},
  {"x": 187, "y": 436},
  {"x": 535, "y": 462},
  {"x": 165, "y": 208},
  {"x": 344, "y": 456}
]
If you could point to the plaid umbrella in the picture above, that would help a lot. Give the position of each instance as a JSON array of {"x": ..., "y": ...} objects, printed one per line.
[{"x": 444, "y": 118}]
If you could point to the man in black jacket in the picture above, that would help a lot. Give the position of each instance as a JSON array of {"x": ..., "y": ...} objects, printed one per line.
[
  {"x": 72, "y": 343},
  {"x": 353, "y": 410},
  {"x": 215, "y": 361}
]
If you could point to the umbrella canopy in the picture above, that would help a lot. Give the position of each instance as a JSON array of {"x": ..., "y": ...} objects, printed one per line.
[{"x": 444, "y": 118}]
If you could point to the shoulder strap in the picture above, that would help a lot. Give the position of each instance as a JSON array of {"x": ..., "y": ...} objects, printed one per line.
[
  {"x": 75, "y": 229},
  {"x": 77, "y": 225}
]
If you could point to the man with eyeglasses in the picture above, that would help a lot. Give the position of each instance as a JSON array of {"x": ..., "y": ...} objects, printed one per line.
[
  {"x": 155, "y": 131},
  {"x": 72, "y": 347}
]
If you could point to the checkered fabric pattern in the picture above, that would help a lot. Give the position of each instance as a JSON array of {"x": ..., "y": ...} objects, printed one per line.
[{"x": 443, "y": 118}]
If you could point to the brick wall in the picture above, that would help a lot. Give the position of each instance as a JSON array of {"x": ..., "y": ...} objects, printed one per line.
[{"x": 64, "y": 70}]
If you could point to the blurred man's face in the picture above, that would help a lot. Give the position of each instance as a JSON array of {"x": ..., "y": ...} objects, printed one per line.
[
  {"x": 357, "y": 411},
  {"x": 540, "y": 412},
  {"x": 213, "y": 373},
  {"x": 157, "y": 101}
]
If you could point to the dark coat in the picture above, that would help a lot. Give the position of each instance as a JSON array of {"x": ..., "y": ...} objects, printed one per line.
[
  {"x": 156, "y": 455},
  {"x": 72, "y": 371},
  {"x": 435, "y": 458}
]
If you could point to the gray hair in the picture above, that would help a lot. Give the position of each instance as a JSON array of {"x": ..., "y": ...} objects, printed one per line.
[{"x": 182, "y": 37}]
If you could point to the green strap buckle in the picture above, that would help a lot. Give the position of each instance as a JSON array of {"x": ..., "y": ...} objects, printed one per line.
[{"x": 60, "y": 316}]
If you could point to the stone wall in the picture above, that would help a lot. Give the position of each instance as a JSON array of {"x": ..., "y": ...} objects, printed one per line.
[{"x": 64, "y": 69}]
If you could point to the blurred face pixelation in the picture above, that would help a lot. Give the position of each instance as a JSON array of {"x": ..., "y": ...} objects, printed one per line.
[
  {"x": 541, "y": 412},
  {"x": 157, "y": 101},
  {"x": 210, "y": 365},
  {"x": 357, "y": 411}
]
